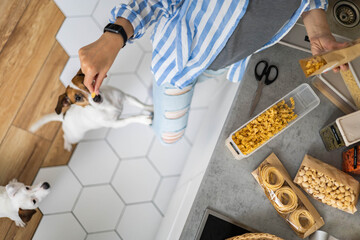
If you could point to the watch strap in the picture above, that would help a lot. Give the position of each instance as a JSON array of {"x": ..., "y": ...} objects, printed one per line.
[{"x": 115, "y": 28}]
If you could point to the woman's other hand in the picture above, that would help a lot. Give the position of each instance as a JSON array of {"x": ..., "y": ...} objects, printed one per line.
[
  {"x": 321, "y": 39},
  {"x": 327, "y": 43}
]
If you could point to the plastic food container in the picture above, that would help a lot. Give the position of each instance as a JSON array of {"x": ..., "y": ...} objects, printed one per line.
[
  {"x": 332, "y": 137},
  {"x": 349, "y": 127},
  {"x": 305, "y": 101}
]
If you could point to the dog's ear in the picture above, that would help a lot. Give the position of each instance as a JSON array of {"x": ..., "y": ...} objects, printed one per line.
[
  {"x": 78, "y": 80},
  {"x": 80, "y": 72},
  {"x": 26, "y": 215},
  {"x": 13, "y": 187},
  {"x": 63, "y": 101}
]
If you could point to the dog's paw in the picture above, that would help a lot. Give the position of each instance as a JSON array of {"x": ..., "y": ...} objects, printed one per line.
[
  {"x": 14, "y": 180},
  {"x": 146, "y": 119},
  {"x": 67, "y": 146},
  {"x": 20, "y": 223},
  {"x": 149, "y": 108}
]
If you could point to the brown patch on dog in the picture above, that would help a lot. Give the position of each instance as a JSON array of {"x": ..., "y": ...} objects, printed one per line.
[
  {"x": 74, "y": 96},
  {"x": 26, "y": 215},
  {"x": 78, "y": 80},
  {"x": 63, "y": 101},
  {"x": 77, "y": 97}
]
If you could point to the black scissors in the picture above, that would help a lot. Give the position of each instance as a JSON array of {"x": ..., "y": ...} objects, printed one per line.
[{"x": 265, "y": 72}]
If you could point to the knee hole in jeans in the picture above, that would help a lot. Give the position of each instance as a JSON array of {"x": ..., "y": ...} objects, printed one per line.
[
  {"x": 172, "y": 137},
  {"x": 176, "y": 114},
  {"x": 176, "y": 91}
]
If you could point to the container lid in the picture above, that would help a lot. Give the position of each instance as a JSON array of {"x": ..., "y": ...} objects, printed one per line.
[{"x": 349, "y": 127}]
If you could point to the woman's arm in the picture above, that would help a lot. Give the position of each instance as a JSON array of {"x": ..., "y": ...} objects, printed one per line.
[
  {"x": 321, "y": 39},
  {"x": 97, "y": 57},
  {"x": 135, "y": 17}
]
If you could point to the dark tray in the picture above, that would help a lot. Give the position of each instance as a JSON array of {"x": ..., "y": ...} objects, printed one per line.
[{"x": 215, "y": 226}]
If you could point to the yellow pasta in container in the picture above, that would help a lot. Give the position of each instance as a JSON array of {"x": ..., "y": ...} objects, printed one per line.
[
  {"x": 352, "y": 85},
  {"x": 261, "y": 129},
  {"x": 272, "y": 121}
]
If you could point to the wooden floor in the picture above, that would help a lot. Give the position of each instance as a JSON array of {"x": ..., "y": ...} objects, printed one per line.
[{"x": 31, "y": 61}]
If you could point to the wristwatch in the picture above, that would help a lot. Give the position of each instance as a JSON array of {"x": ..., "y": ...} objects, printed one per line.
[{"x": 114, "y": 28}]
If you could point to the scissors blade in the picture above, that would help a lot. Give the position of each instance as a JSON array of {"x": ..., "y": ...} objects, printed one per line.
[{"x": 256, "y": 98}]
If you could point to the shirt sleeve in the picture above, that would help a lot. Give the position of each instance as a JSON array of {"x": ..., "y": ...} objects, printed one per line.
[
  {"x": 317, "y": 4},
  {"x": 142, "y": 13}
]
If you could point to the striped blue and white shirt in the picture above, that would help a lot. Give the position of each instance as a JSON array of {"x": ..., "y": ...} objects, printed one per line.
[{"x": 189, "y": 34}]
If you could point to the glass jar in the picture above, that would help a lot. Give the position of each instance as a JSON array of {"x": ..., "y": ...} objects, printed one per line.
[
  {"x": 351, "y": 160},
  {"x": 331, "y": 137}
]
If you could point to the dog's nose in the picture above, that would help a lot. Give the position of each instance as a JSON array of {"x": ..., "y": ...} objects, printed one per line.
[
  {"x": 45, "y": 185},
  {"x": 97, "y": 98}
]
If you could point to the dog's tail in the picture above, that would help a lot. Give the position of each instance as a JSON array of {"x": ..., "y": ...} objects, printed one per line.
[{"x": 45, "y": 119}]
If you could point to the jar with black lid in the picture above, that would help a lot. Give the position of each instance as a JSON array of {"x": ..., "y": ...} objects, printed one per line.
[{"x": 331, "y": 137}]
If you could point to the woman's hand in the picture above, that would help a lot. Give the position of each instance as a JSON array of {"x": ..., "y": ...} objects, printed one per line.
[
  {"x": 321, "y": 39},
  {"x": 326, "y": 43},
  {"x": 97, "y": 57}
]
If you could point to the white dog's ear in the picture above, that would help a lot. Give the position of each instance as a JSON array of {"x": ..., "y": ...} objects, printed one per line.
[
  {"x": 13, "y": 187},
  {"x": 14, "y": 181}
]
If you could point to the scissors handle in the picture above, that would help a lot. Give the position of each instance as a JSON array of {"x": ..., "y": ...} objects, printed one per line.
[
  {"x": 266, "y": 72},
  {"x": 270, "y": 81}
]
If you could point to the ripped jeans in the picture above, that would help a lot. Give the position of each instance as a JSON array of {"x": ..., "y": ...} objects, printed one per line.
[{"x": 172, "y": 105}]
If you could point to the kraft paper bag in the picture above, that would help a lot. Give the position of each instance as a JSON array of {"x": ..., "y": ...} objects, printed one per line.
[{"x": 332, "y": 59}]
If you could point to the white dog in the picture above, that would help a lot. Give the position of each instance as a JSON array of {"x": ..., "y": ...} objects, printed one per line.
[
  {"x": 85, "y": 113},
  {"x": 16, "y": 196}
]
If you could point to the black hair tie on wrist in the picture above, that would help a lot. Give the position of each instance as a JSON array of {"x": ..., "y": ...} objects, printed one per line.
[{"x": 118, "y": 29}]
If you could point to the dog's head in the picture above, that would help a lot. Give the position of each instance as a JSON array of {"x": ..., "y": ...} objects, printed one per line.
[
  {"x": 76, "y": 93},
  {"x": 27, "y": 197}
]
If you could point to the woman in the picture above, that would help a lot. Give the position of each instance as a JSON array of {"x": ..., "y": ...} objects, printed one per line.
[{"x": 193, "y": 36}]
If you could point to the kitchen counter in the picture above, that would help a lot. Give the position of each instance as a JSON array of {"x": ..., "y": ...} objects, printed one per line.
[{"x": 228, "y": 186}]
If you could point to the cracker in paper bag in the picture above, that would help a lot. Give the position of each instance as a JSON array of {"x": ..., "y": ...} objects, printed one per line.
[
  {"x": 324, "y": 62},
  {"x": 287, "y": 199},
  {"x": 328, "y": 184}
]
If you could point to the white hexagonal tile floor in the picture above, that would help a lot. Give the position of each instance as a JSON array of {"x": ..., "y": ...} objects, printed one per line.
[
  {"x": 92, "y": 166},
  {"x": 72, "y": 8},
  {"x": 130, "y": 84},
  {"x": 144, "y": 70},
  {"x": 65, "y": 189},
  {"x": 169, "y": 160},
  {"x": 164, "y": 193},
  {"x": 148, "y": 220},
  {"x": 98, "y": 208},
  {"x": 103, "y": 236},
  {"x": 96, "y": 134},
  {"x": 102, "y": 11},
  {"x": 136, "y": 180},
  {"x": 144, "y": 41},
  {"x": 76, "y": 33},
  {"x": 134, "y": 140},
  {"x": 196, "y": 117},
  {"x": 121, "y": 194},
  {"x": 204, "y": 92},
  {"x": 71, "y": 68},
  {"x": 127, "y": 60},
  {"x": 59, "y": 227}
]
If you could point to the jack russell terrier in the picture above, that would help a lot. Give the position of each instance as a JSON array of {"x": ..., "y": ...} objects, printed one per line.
[
  {"x": 84, "y": 113},
  {"x": 16, "y": 197}
]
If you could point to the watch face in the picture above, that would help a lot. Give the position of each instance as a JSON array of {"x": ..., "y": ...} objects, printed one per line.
[{"x": 113, "y": 28}]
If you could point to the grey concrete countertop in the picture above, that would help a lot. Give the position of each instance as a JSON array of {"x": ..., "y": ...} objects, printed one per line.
[{"x": 228, "y": 186}]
